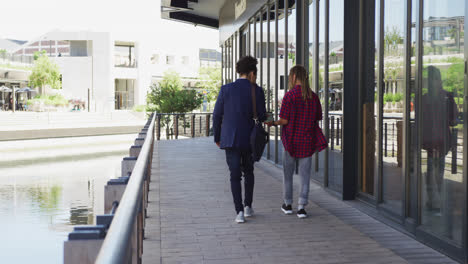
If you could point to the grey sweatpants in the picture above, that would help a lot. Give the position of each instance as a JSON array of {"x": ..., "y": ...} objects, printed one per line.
[{"x": 289, "y": 165}]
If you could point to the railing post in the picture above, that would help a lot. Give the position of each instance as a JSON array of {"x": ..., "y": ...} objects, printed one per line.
[
  {"x": 183, "y": 116},
  {"x": 385, "y": 136},
  {"x": 338, "y": 131},
  {"x": 332, "y": 132},
  {"x": 393, "y": 140},
  {"x": 208, "y": 125},
  {"x": 192, "y": 125},
  {"x": 176, "y": 126},
  {"x": 454, "y": 142},
  {"x": 158, "y": 128},
  {"x": 200, "y": 124}
]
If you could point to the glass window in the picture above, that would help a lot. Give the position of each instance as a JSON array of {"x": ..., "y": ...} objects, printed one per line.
[
  {"x": 124, "y": 56},
  {"x": 281, "y": 75},
  {"x": 251, "y": 39},
  {"x": 318, "y": 171},
  {"x": 124, "y": 93},
  {"x": 335, "y": 77},
  {"x": 155, "y": 59},
  {"x": 441, "y": 129},
  {"x": 170, "y": 59},
  {"x": 272, "y": 78},
  {"x": 393, "y": 93}
]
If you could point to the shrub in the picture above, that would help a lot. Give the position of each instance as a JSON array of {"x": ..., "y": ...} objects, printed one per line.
[
  {"x": 388, "y": 98},
  {"x": 51, "y": 100},
  {"x": 398, "y": 97},
  {"x": 139, "y": 108}
]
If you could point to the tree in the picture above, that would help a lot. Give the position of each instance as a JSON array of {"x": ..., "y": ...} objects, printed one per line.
[
  {"x": 454, "y": 81},
  {"x": 169, "y": 96},
  {"x": 210, "y": 81},
  {"x": 392, "y": 38},
  {"x": 45, "y": 72},
  {"x": 38, "y": 54}
]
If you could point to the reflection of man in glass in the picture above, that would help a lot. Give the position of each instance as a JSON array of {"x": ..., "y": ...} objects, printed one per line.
[{"x": 438, "y": 114}]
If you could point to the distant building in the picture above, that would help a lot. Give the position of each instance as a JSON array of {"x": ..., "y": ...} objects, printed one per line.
[{"x": 113, "y": 74}]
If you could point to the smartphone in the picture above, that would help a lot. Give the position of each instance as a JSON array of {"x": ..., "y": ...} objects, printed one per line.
[{"x": 269, "y": 117}]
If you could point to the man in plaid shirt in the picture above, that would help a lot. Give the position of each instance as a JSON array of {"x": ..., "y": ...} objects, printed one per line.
[{"x": 301, "y": 137}]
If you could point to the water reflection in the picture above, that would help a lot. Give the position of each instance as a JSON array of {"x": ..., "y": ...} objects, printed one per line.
[
  {"x": 47, "y": 199},
  {"x": 40, "y": 202}
]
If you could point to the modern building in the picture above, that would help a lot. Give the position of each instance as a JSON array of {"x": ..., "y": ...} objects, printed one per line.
[
  {"x": 109, "y": 73},
  {"x": 94, "y": 67},
  {"x": 397, "y": 147}
]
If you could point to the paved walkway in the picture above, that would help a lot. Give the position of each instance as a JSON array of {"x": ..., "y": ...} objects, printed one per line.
[{"x": 191, "y": 218}]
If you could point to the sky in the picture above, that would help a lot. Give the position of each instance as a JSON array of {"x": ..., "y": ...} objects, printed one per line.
[{"x": 133, "y": 20}]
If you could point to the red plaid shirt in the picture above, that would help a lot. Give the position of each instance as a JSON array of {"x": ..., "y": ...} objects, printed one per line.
[{"x": 302, "y": 136}]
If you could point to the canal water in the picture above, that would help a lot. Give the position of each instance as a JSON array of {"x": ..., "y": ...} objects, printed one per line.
[{"x": 48, "y": 186}]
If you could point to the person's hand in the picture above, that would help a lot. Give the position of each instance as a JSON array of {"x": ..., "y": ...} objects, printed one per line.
[
  {"x": 269, "y": 123},
  {"x": 218, "y": 144}
]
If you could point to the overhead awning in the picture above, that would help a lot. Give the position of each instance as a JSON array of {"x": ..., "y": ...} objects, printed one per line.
[{"x": 198, "y": 12}]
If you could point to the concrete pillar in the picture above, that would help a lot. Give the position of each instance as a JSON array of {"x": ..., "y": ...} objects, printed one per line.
[
  {"x": 113, "y": 191},
  {"x": 83, "y": 251},
  {"x": 128, "y": 163},
  {"x": 142, "y": 135},
  {"x": 139, "y": 141},
  {"x": 135, "y": 151}
]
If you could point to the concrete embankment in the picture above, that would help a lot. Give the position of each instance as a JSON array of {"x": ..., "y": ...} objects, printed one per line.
[{"x": 26, "y": 125}]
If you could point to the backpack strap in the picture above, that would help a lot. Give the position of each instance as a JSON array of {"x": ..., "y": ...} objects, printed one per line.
[{"x": 254, "y": 104}]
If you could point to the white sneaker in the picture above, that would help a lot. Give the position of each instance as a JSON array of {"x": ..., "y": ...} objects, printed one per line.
[
  {"x": 240, "y": 217},
  {"x": 248, "y": 211}
]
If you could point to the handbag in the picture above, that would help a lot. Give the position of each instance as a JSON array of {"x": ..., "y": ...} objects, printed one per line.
[{"x": 258, "y": 136}]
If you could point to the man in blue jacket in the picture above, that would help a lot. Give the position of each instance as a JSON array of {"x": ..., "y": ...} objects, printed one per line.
[{"x": 232, "y": 124}]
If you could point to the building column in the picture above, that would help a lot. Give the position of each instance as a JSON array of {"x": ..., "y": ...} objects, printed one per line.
[{"x": 350, "y": 98}]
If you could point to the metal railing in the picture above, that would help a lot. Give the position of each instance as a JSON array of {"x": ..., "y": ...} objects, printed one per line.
[
  {"x": 6, "y": 58},
  {"x": 175, "y": 125},
  {"x": 128, "y": 222},
  {"x": 118, "y": 235},
  {"x": 393, "y": 139}
]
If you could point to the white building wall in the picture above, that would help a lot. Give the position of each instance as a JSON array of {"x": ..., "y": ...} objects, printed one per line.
[
  {"x": 76, "y": 76},
  {"x": 143, "y": 82},
  {"x": 101, "y": 52},
  {"x": 103, "y": 62}
]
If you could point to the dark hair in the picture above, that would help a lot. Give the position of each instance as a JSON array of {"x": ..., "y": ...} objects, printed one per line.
[{"x": 246, "y": 64}]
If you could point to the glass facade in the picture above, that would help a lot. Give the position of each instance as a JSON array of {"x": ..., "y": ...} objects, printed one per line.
[
  {"x": 410, "y": 124},
  {"x": 440, "y": 102},
  {"x": 335, "y": 100}
]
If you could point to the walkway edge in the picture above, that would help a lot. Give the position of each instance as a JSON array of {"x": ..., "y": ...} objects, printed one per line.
[{"x": 152, "y": 239}]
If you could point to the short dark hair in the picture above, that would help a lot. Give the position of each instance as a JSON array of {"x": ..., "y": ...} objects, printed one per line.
[{"x": 246, "y": 64}]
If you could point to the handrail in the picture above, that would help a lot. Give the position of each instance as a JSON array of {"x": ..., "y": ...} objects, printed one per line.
[{"x": 116, "y": 244}]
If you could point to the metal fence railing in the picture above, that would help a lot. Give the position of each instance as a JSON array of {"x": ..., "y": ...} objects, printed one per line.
[
  {"x": 118, "y": 235},
  {"x": 189, "y": 125},
  {"x": 6, "y": 58}
]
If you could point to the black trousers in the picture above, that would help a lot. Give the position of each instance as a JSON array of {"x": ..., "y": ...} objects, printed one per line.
[{"x": 240, "y": 164}]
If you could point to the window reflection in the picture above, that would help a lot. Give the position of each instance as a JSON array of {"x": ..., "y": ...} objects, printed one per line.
[
  {"x": 335, "y": 77},
  {"x": 441, "y": 101},
  {"x": 393, "y": 93}
]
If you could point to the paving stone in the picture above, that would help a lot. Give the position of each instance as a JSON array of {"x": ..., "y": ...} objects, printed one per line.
[{"x": 191, "y": 218}]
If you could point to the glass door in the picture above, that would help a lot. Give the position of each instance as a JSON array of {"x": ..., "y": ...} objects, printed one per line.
[{"x": 440, "y": 99}]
